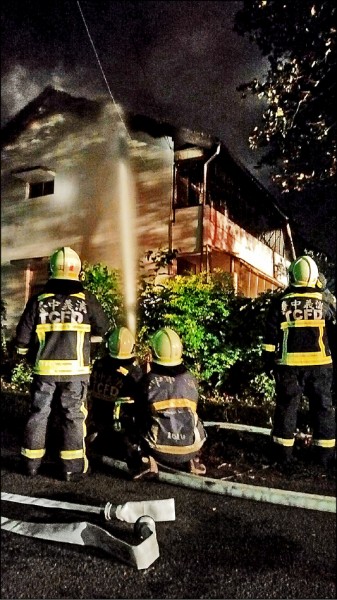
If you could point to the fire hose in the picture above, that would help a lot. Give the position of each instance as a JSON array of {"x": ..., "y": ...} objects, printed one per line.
[
  {"x": 141, "y": 555},
  {"x": 158, "y": 510},
  {"x": 237, "y": 490}
]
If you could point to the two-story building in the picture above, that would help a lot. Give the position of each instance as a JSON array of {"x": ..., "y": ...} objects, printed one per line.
[{"x": 112, "y": 185}]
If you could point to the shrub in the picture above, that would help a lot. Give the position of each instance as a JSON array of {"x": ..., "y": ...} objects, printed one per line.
[
  {"x": 221, "y": 332},
  {"x": 106, "y": 285},
  {"x": 3, "y": 327},
  {"x": 22, "y": 376}
]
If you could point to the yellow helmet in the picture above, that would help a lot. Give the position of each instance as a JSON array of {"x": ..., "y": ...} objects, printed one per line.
[
  {"x": 121, "y": 343},
  {"x": 65, "y": 264},
  {"x": 303, "y": 272},
  {"x": 167, "y": 347}
]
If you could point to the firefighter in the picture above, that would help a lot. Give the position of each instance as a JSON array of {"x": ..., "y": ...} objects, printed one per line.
[
  {"x": 297, "y": 352},
  {"x": 113, "y": 388},
  {"x": 55, "y": 328},
  {"x": 171, "y": 432}
]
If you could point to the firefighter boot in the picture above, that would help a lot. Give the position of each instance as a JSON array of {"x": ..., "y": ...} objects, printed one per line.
[
  {"x": 30, "y": 467},
  {"x": 324, "y": 457},
  {"x": 282, "y": 457},
  {"x": 148, "y": 469},
  {"x": 195, "y": 467}
]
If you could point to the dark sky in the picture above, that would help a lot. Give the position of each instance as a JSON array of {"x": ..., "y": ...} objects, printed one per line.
[{"x": 175, "y": 60}]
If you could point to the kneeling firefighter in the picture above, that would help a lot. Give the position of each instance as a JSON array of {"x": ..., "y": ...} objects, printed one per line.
[
  {"x": 171, "y": 431},
  {"x": 55, "y": 329},
  {"x": 296, "y": 350},
  {"x": 114, "y": 385}
]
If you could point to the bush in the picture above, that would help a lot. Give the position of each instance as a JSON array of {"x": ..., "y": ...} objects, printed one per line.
[
  {"x": 22, "y": 376},
  {"x": 105, "y": 284},
  {"x": 221, "y": 332},
  {"x": 3, "y": 328}
]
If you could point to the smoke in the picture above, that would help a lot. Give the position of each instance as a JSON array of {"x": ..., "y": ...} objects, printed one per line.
[
  {"x": 18, "y": 88},
  {"x": 21, "y": 85}
]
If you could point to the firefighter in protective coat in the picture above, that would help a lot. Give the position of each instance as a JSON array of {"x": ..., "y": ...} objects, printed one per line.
[
  {"x": 55, "y": 329},
  {"x": 296, "y": 351},
  {"x": 114, "y": 385},
  {"x": 171, "y": 431}
]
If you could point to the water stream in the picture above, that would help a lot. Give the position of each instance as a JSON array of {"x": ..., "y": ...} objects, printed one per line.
[{"x": 127, "y": 232}]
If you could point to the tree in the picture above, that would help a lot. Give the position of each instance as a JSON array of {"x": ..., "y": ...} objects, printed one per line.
[
  {"x": 298, "y": 129},
  {"x": 326, "y": 267}
]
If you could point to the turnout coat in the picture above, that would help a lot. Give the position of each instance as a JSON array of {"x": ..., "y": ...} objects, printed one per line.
[{"x": 168, "y": 412}]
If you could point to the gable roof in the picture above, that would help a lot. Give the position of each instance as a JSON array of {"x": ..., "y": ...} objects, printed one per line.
[{"x": 49, "y": 102}]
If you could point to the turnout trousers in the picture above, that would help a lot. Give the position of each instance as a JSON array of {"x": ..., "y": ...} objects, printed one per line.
[
  {"x": 315, "y": 383},
  {"x": 69, "y": 398}
]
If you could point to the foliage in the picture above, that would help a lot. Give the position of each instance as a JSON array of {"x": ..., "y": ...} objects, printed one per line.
[
  {"x": 243, "y": 409},
  {"x": 326, "y": 267},
  {"x": 299, "y": 124},
  {"x": 22, "y": 376},
  {"x": 3, "y": 326},
  {"x": 105, "y": 284},
  {"x": 221, "y": 332},
  {"x": 161, "y": 258},
  {"x": 190, "y": 306}
]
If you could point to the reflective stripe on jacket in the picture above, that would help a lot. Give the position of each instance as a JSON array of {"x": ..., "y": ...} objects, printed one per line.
[
  {"x": 112, "y": 378},
  {"x": 63, "y": 331},
  {"x": 174, "y": 430},
  {"x": 296, "y": 328},
  {"x": 57, "y": 325}
]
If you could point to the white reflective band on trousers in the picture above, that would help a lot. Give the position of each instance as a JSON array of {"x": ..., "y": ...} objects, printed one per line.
[
  {"x": 239, "y": 490},
  {"x": 140, "y": 556},
  {"x": 158, "y": 510}
]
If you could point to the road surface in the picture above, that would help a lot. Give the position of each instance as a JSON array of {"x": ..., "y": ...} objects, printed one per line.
[{"x": 218, "y": 546}]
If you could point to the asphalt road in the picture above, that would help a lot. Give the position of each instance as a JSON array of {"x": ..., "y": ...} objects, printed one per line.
[{"x": 218, "y": 546}]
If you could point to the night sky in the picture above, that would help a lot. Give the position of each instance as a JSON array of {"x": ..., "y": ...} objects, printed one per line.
[{"x": 177, "y": 61}]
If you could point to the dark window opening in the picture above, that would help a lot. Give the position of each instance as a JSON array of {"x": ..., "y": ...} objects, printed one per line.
[
  {"x": 41, "y": 188},
  {"x": 274, "y": 240},
  {"x": 185, "y": 267},
  {"x": 189, "y": 184}
]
